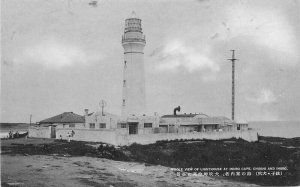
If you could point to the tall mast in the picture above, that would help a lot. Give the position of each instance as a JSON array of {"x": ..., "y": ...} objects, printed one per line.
[{"x": 233, "y": 59}]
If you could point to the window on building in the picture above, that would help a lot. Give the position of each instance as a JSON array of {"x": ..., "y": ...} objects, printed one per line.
[
  {"x": 124, "y": 83},
  {"x": 72, "y": 125},
  {"x": 64, "y": 125},
  {"x": 123, "y": 125},
  {"x": 123, "y": 102},
  {"x": 103, "y": 125},
  {"x": 238, "y": 127},
  {"x": 125, "y": 64},
  {"x": 147, "y": 125},
  {"x": 92, "y": 125}
]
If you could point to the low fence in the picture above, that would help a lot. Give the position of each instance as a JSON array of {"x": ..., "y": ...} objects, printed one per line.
[
  {"x": 39, "y": 132},
  {"x": 248, "y": 135},
  {"x": 89, "y": 135},
  {"x": 119, "y": 137}
]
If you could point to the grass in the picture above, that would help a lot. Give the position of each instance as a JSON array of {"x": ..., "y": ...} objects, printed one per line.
[
  {"x": 64, "y": 148},
  {"x": 188, "y": 153},
  {"x": 240, "y": 153}
]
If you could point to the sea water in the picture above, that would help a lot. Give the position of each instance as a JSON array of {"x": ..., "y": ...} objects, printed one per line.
[
  {"x": 5, "y": 134},
  {"x": 284, "y": 129}
]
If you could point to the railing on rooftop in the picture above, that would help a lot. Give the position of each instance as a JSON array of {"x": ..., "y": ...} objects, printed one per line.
[{"x": 130, "y": 39}]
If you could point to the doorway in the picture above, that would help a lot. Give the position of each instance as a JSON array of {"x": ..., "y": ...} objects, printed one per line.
[
  {"x": 198, "y": 128},
  {"x": 53, "y": 132},
  {"x": 133, "y": 128}
]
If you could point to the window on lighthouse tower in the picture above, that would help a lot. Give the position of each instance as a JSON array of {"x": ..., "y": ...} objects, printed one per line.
[
  {"x": 123, "y": 102},
  {"x": 124, "y": 83},
  {"x": 125, "y": 66}
]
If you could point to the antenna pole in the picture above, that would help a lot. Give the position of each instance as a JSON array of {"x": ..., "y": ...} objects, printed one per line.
[
  {"x": 102, "y": 105},
  {"x": 233, "y": 59}
]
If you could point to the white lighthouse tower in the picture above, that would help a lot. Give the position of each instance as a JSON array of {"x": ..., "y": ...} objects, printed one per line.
[{"x": 133, "y": 42}]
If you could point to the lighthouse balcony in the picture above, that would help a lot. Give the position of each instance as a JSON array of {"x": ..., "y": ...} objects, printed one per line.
[{"x": 135, "y": 39}]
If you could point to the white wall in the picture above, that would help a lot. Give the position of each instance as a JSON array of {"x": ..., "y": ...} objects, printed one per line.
[
  {"x": 89, "y": 135},
  {"x": 120, "y": 137},
  {"x": 39, "y": 132},
  {"x": 134, "y": 91},
  {"x": 66, "y": 126},
  {"x": 248, "y": 135},
  {"x": 97, "y": 118}
]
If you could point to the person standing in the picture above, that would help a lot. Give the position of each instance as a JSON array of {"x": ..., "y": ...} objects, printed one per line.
[
  {"x": 69, "y": 137},
  {"x": 71, "y": 134}
]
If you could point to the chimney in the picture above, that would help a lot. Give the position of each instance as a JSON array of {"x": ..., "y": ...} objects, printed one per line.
[
  {"x": 176, "y": 109},
  {"x": 86, "y": 112}
]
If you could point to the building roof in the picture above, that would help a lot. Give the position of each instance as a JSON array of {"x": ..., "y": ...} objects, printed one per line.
[
  {"x": 221, "y": 117},
  {"x": 98, "y": 113},
  {"x": 180, "y": 116},
  {"x": 195, "y": 119},
  {"x": 66, "y": 117}
]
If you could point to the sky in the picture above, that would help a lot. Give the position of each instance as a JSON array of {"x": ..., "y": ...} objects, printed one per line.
[{"x": 66, "y": 55}]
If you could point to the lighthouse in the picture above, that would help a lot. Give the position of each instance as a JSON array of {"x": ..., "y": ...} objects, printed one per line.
[{"x": 133, "y": 42}]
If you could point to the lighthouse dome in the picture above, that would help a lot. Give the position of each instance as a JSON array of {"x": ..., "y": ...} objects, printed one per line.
[{"x": 133, "y": 15}]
